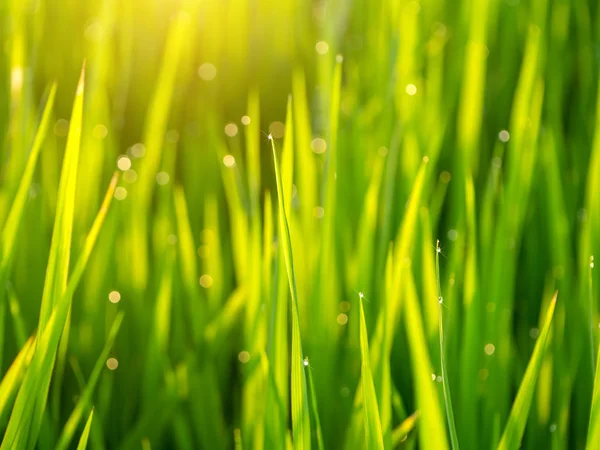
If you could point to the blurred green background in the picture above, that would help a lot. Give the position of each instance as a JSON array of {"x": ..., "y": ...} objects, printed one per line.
[{"x": 397, "y": 123}]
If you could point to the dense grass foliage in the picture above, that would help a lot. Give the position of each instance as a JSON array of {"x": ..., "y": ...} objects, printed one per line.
[{"x": 325, "y": 224}]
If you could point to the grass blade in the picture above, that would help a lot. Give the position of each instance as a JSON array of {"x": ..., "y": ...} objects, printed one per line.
[
  {"x": 35, "y": 383},
  {"x": 86, "y": 433},
  {"x": 445, "y": 383},
  {"x": 373, "y": 433},
  {"x": 432, "y": 431},
  {"x": 8, "y": 239},
  {"x": 593, "y": 436},
  {"x": 14, "y": 375},
  {"x": 513, "y": 433},
  {"x": 300, "y": 410},
  {"x": 401, "y": 432},
  {"x": 69, "y": 429}
]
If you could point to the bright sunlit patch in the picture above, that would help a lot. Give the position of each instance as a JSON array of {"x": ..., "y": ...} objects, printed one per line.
[
  {"x": 120, "y": 193},
  {"x": 277, "y": 129},
  {"x": 206, "y": 281},
  {"x": 138, "y": 150},
  {"x": 207, "y": 71},
  {"x": 162, "y": 178},
  {"x": 229, "y": 160},
  {"x": 411, "y": 89},
  {"x": 130, "y": 176},
  {"x": 489, "y": 349},
  {"x": 244, "y": 356},
  {"x": 504, "y": 136},
  {"x": 114, "y": 297},
  {"x": 342, "y": 319},
  {"x": 94, "y": 31},
  {"x": 322, "y": 47},
  {"x": 16, "y": 79},
  {"x": 318, "y": 145},
  {"x": 100, "y": 131},
  {"x": 231, "y": 129},
  {"x": 592, "y": 262},
  {"x": 112, "y": 363},
  {"x": 246, "y": 120},
  {"x": 123, "y": 163}
]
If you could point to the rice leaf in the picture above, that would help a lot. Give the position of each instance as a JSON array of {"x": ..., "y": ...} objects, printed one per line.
[
  {"x": 373, "y": 433},
  {"x": 8, "y": 238},
  {"x": 513, "y": 432},
  {"x": 73, "y": 422},
  {"x": 300, "y": 410},
  {"x": 82, "y": 445},
  {"x": 432, "y": 430},
  {"x": 445, "y": 382}
]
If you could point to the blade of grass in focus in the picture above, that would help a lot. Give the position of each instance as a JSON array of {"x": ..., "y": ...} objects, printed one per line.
[
  {"x": 31, "y": 400},
  {"x": 277, "y": 400},
  {"x": 593, "y": 435},
  {"x": 432, "y": 430},
  {"x": 35, "y": 383},
  {"x": 84, "y": 402},
  {"x": 513, "y": 433},
  {"x": 300, "y": 410},
  {"x": 373, "y": 433},
  {"x": 83, "y": 440},
  {"x": 13, "y": 377},
  {"x": 445, "y": 382}
]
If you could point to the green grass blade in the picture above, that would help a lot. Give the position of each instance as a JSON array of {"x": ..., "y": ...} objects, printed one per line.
[
  {"x": 37, "y": 378},
  {"x": 593, "y": 436},
  {"x": 24, "y": 426},
  {"x": 73, "y": 422},
  {"x": 8, "y": 239},
  {"x": 445, "y": 382},
  {"x": 189, "y": 265},
  {"x": 58, "y": 262},
  {"x": 300, "y": 410},
  {"x": 373, "y": 433},
  {"x": 401, "y": 431},
  {"x": 154, "y": 132},
  {"x": 315, "y": 421},
  {"x": 513, "y": 433},
  {"x": 432, "y": 430},
  {"x": 83, "y": 440},
  {"x": 13, "y": 377}
]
